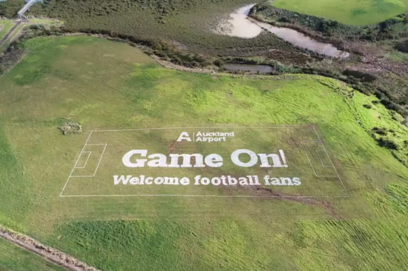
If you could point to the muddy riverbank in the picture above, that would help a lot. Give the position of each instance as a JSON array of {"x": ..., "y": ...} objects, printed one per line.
[{"x": 240, "y": 25}]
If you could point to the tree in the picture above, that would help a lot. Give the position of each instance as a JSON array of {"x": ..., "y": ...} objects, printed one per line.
[{"x": 10, "y": 8}]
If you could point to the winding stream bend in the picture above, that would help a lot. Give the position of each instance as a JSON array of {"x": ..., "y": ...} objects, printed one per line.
[
  {"x": 300, "y": 40},
  {"x": 239, "y": 25}
]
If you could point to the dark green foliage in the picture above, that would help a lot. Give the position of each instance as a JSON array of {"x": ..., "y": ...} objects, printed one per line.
[
  {"x": 10, "y": 57},
  {"x": 380, "y": 131},
  {"x": 387, "y": 143},
  {"x": 403, "y": 46},
  {"x": 159, "y": 8},
  {"x": 385, "y": 138},
  {"x": 365, "y": 77},
  {"x": 190, "y": 23},
  {"x": 10, "y": 8}
]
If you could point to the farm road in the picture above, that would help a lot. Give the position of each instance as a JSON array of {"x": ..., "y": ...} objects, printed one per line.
[{"x": 4, "y": 39}]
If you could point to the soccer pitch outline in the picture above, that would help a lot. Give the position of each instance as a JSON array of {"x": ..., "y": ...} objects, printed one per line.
[{"x": 95, "y": 151}]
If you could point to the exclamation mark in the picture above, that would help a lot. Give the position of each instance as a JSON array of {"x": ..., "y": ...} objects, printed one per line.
[{"x": 283, "y": 157}]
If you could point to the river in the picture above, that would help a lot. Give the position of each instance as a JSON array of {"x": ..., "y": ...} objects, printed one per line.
[{"x": 239, "y": 25}]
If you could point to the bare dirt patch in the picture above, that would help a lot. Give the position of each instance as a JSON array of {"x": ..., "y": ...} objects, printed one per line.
[
  {"x": 302, "y": 200},
  {"x": 238, "y": 25}
]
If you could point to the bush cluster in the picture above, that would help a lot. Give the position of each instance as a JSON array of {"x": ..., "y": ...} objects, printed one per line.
[
  {"x": 402, "y": 46},
  {"x": 10, "y": 8},
  {"x": 189, "y": 23}
]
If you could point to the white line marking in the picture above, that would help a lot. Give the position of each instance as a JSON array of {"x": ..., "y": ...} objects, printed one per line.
[
  {"x": 95, "y": 144},
  {"x": 335, "y": 170},
  {"x": 97, "y": 166},
  {"x": 203, "y": 196},
  {"x": 83, "y": 148},
  {"x": 100, "y": 159},
  {"x": 321, "y": 159},
  {"x": 86, "y": 161},
  {"x": 314, "y": 170}
]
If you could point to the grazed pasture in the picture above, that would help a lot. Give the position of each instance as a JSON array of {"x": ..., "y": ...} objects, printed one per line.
[
  {"x": 347, "y": 11},
  {"x": 104, "y": 84}
]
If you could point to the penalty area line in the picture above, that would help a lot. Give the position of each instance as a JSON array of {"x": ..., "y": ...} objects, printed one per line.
[
  {"x": 100, "y": 159},
  {"x": 335, "y": 169},
  {"x": 196, "y": 196},
  {"x": 97, "y": 166},
  {"x": 73, "y": 168},
  {"x": 86, "y": 161}
]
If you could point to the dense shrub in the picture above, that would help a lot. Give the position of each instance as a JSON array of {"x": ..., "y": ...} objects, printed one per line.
[
  {"x": 11, "y": 57},
  {"x": 387, "y": 143},
  {"x": 187, "y": 23},
  {"x": 403, "y": 46},
  {"x": 10, "y": 8},
  {"x": 365, "y": 77}
]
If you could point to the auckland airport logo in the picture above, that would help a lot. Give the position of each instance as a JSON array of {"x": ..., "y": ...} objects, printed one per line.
[{"x": 205, "y": 136}]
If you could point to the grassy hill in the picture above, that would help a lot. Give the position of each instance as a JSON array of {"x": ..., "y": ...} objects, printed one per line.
[
  {"x": 347, "y": 11},
  {"x": 103, "y": 84},
  {"x": 5, "y": 26},
  {"x": 15, "y": 258}
]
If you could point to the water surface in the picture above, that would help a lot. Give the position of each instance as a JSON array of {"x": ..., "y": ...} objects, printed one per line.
[
  {"x": 239, "y": 25},
  {"x": 301, "y": 40},
  {"x": 249, "y": 68}
]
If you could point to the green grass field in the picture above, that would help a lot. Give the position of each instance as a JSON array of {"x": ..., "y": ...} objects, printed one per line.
[
  {"x": 17, "y": 259},
  {"x": 8, "y": 24},
  {"x": 5, "y": 26},
  {"x": 397, "y": 56},
  {"x": 347, "y": 11},
  {"x": 103, "y": 84}
]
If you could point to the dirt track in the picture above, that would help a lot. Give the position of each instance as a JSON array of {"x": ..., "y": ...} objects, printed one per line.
[
  {"x": 49, "y": 254},
  {"x": 4, "y": 39}
]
